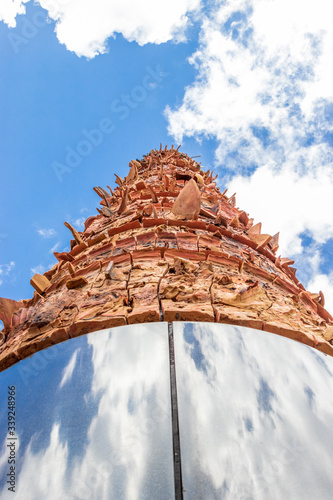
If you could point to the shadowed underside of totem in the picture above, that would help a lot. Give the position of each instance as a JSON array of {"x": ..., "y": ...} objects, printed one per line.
[{"x": 166, "y": 245}]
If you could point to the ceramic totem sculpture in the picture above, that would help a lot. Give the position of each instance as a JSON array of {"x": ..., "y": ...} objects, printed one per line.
[{"x": 166, "y": 245}]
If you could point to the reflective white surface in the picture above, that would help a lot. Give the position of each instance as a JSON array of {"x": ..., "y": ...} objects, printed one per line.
[
  {"x": 255, "y": 415},
  {"x": 93, "y": 418}
]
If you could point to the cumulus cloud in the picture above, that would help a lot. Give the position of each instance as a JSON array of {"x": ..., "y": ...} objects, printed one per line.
[
  {"x": 250, "y": 416},
  {"x": 47, "y": 233},
  {"x": 5, "y": 270},
  {"x": 84, "y": 26},
  {"x": 128, "y": 438},
  {"x": 263, "y": 92},
  {"x": 9, "y": 9}
]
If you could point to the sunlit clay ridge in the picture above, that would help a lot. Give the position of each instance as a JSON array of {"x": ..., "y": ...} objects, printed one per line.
[{"x": 166, "y": 245}]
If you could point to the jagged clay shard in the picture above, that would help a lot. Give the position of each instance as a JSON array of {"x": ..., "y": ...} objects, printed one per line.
[
  {"x": 188, "y": 202},
  {"x": 166, "y": 245}
]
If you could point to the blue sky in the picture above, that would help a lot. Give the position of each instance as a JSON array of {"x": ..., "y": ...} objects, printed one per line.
[{"x": 87, "y": 86}]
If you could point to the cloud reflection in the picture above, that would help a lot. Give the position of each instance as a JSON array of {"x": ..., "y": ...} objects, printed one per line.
[
  {"x": 127, "y": 452},
  {"x": 255, "y": 423}
]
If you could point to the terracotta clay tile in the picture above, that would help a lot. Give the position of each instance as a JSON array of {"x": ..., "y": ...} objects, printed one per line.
[
  {"x": 140, "y": 255},
  {"x": 197, "y": 224},
  {"x": 166, "y": 239},
  {"x": 124, "y": 244},
  {"x": 144, "y": 314},
  {"x": 78, "y": 249},
  {"x": 96, "y": 239},
  {"x": 184, "y": 254},
  {"x": 209, "y": 243},
  {"x": 63, "y": 256},
  {"x": 40, "y": 283},
  {"x": 125, "y": 227},
  {"x": 245, "y": 240},
  {"x": 187, "y": 241},
  {"x": 145, "y": 241},
  {"x": 150, "y": 222},
  {"x": 178, "y": 311},
  {"x": 96, "y": 324},
  {"x": 76, "y": 282},
  {"x": 101, "y": 250}
]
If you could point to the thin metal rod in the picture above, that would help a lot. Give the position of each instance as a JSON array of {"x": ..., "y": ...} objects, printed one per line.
[{"x": 175, "y": 422}]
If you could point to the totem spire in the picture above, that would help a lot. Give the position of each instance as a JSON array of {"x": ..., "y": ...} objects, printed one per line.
[{"x": 166, "y": 245}]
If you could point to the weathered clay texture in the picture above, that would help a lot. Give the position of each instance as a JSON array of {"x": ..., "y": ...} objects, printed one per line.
[{"x": 166, "y": 245}]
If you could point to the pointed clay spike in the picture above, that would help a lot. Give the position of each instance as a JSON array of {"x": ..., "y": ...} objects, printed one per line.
[
  {"x": 70, "y": 268},
  {"x": 119, "y": 180},
  {"x": 285, "y": 262},
  {"x": 232, "y": 200},
  {"x": 256, "y": 229},
  {"x": 179, "y": 147},
  {"x": 133, "y": 173},
  {"x": 123, "y": 204},
  {"x": 7, "y": 309},
  {"x": 166, "y": 182},
  {"x": 328, "y": 334},
  {"x": 234, "y": 223},
  {"x": 103, "y": 194},
  {"x": 274, "y": 243},
  {"x": 106, "y": 212},
  {"x": 260, "y": 239},
  {"x": 200, "y": 180},
  {"x": 187, "y": 204},
  {"x": 74, "y": 232},
  {"x": 153, "y": 194},
  {"x": 243, "y": 217}
]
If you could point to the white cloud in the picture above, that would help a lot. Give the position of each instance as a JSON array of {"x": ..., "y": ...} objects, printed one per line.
[
  {"x": 9, "y": 9},
  {"x": 247, "y": 389},
  {"x": 79, "y": 223},
  {"x": 55, "y": 247},
  {"x": 40, "y": 269},
  {"x": 5, "y": 270},
  {"x": 84, "y": 26},
  {"x": 68, "y": 371},
  {"x": 291, "y": 203},
  {"x": 129, "y": 432},
  {"x": 47, "y": 233},
  {"x": 263, "y": 91}
]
